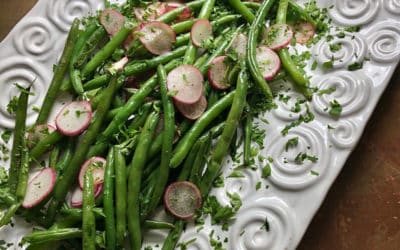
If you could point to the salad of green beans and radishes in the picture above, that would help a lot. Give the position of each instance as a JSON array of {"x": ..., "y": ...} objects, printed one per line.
[{"x": 159, "y": 92}]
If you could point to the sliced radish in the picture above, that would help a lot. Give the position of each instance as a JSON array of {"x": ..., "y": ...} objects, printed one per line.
[
  {"x": 74, "y": 118},
  {"x": 239, "y": 44},
  {"x": 185, "y": 83},
  {"x": 200, "y": 32},
  {"x": 157, "y": 37},
  {"x": 37, "y": 133},
  {"x": 278, "y": 36},
  {"x": 112, "y": 21},
  {"x": 218, "y": 73},
  {"x": 97, "y": 166},
  {"x": 39, "y": 187},
  {"x": 303, "y": 32},
  {"x": 268, "y": 62},
  {"x": 182, "y": 199},
  {"x": 192, "y": 111},
  {"x": 118, "y": 65},
  {"x": 151, "y": 13},
  {"x": 77, "y": 195},
  {"x": 185, "y": 15}
]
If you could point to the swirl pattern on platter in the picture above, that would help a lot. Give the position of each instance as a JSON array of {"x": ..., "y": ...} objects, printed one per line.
[
  {"x": 352, "y": 49},
  {"x": 286, "y": 173},
  {"x": 35, "y": 37},
  {"x": 244, "y": 186},
  {"x": 384, "y": 41},
  {"x": 353, "y": 91},
  {"x": 63, "y": 13},
  {"x": 354, "y": 12},
  {"x": 248, "y": 233},
  {"x": 23, "y": 71},
  {"x": 393, "y": 6},
  {"x": 284, "y": 110},
  {"x": 202, "y": 241},
  {"x": 345, "y": 134}
]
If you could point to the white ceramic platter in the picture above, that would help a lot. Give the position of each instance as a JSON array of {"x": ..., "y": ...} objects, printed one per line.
[{"x": 294, "y": 193}]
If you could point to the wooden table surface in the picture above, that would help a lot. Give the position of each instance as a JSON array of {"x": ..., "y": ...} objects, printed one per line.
[{"x": 362, "y": 209}]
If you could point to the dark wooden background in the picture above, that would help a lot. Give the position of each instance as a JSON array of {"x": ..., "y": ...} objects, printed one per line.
[{"x": 362, "y": 209}]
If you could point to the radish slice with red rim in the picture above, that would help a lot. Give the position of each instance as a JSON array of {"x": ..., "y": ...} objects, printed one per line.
[
  {"x": 185, "y": 83},
  {"x": 218, "y": 73},
  {"x": 268, "y": 62},
  {"x": 185, "y": 15},
  {"x": 239, "y": 44},
  {"x": 74, "y": 118},
  {"x": 200, "y": 32},
  {"x": 97, "y": 166},
  {"x": 303, "y": 32},
  {"x": 192, "y": 111},
  {"x": 112, "y": 21},
  {"x": 151, "y": 12},
  {"x": 77, "y": 195},
  {"x": 278, "y": 36},
  {"x": 38, "y": 133},
  {"x": 182, "y": 199},
  {"x": 157, "y": 37},
  {"x": 39, "y": 187}
]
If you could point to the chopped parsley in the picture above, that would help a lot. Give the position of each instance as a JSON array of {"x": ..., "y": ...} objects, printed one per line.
[
  {"x": 314, "y": 173},
  {"x": 265, "y": 225},
  {"x": 334, "y": 47},
  {"x": 328, "y": 64},
  {"x": 301, "y": 157},
  {"x": 326, "y": 91},
  {"x": 12, "y": 105},
  {"x": 336, "y": 108},
  {"x": 308, "y": 117},
  {"x": 6, "y": 135},
  {"x": 291, "y": 143},
  {"x": 266, "y": 171},
  {"x": 355, "y": 66}
]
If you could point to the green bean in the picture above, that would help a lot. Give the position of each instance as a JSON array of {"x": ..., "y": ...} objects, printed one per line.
[
  {"x": 289, "y": 65},
  {"x": 53, "y": 157},
  {"x": 173, "y": 236},
  {"x": 77, "y": 212},
  {"x": 44, "y": 145},
  {"x": 252, "y": 45},
  {"x": 91, "y": 44},
  {"x": 231, "y": 124},
  {"x": 142, "y": 66},
  {"x": 134, "y": 180},
  {"x": 96, "y": 82},
  {"x": 120, "y": 196},
  {"x": 302, "y": 12},
  {"x": 171, "y": 15},
  {"x": 59, "y": 74},
  {"x": 200, "y": 159},
  {"x": 152, "y": 224},
  {"x": 66, "y": 157},
  {"x": 38, "y": 237},
  {"x": 88, "y": 219},
  {"x": 18, "y": 140},
  {"x": 6, "y": 217},
  {"x": 106, "y": 51},
  {"x": 108, "y": 202},
  {"x": 23, "y": 173},
  {"x": 182, "y": 27},
  {"x": 248, "y": 128},
  {"x": 94, "y": 102},
  {"x": 205, "y": 12},
  {"x": 167, "y": 140},
  {"x": 76, "y": 81},
  {"x": 185, "y": 144},
  {"x": 242, "y": 9},
  {"x": 134, "y": 103},
  {"x": 88, "y": 138}
]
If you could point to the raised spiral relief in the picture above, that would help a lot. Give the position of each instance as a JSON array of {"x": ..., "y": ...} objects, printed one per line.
[
  {"x": 202, "y": 241},
  {"x": 21, "y": 70},
  {"x": 286, "y": 171},
  {"x": 393, "y": 6},
  {"x": 35, "y": 37},
  {"x": 63, "y": 13},
  {"x": 352, "y": 49},
  {"x": 249, "y": 230},
  {"x": 344, "y": 134},
  {"x": 244, "y": 186},
  {"x": 284, "y": 111},
  {"x": 384, "y": 41},
  {"x": 353, "y": 91},
  {"x": 350, "y": 12}
]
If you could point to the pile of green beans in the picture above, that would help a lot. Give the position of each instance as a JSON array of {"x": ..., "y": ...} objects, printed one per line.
[{"x": 147, "y": 143}]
